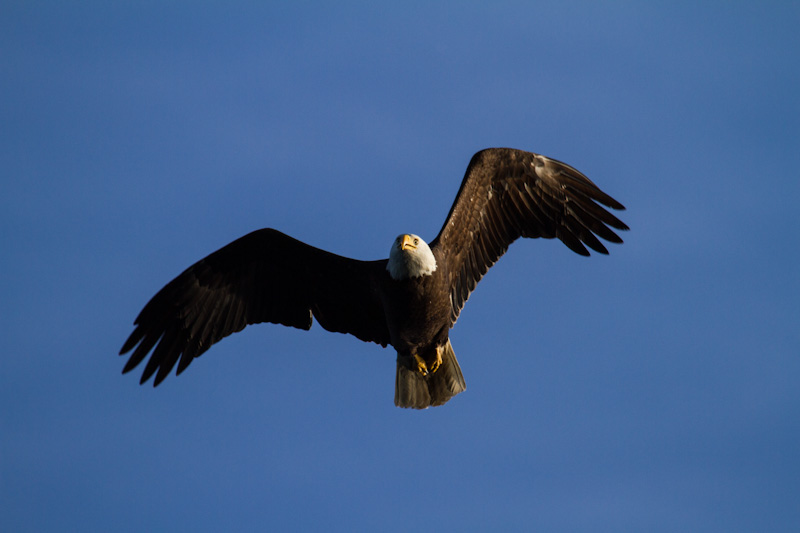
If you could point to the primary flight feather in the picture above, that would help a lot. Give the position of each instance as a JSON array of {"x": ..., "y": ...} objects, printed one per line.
[{"x": 410, "y": 300}]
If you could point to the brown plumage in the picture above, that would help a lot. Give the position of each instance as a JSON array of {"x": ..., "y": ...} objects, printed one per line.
[{"x": 410, "y": 300}]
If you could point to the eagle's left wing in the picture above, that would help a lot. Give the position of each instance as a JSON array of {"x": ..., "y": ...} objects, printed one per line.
[{"x": 507, "y": 194}]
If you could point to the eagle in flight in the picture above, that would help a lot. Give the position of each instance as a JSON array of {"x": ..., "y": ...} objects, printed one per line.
[{"x": 410, "y": 300}]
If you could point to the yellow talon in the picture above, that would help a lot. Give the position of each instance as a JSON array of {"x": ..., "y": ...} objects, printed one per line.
[{"x": 422, "y": 368}]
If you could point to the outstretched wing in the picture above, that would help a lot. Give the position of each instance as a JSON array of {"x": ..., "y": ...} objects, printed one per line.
[
  {"x": 507, "y": 194},
  {"x": 265, "y": 276}
]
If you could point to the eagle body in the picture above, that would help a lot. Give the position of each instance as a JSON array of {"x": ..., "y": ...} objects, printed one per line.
[
  {"x": 410, "y": 301},
  {"x": 417, "y": 311}
]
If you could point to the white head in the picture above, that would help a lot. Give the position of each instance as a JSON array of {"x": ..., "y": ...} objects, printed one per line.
[{"x": 410, "y": 257}]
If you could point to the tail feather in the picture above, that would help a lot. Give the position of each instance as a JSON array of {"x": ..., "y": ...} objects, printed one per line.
[{"x": 418, "y": 391}]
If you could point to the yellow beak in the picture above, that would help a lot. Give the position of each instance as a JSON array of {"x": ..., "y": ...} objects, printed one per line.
[{"x": 408, "y": 242}]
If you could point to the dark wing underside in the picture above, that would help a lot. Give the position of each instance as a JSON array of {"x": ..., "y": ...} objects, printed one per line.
[
  {"x": 265, "y": 276},
  {"x": 507, "y": 194}
]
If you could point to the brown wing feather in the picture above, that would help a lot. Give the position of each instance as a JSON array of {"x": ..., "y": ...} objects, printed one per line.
[
  {"x": 507, "y": 194},
  {"x": 265, "y": 276}
]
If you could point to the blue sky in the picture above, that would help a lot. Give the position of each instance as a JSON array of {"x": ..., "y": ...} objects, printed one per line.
[{"x": 654, "y": 389}]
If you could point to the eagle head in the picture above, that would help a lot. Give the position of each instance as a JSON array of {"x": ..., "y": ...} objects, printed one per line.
[{"x": 410, "y": 257}]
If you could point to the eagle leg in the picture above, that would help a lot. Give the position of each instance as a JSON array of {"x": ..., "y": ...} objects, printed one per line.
[{"x": 438, "y": 361}]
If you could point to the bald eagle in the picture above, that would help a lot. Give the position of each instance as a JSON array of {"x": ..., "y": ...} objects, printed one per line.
[{"x": 410, "y": 300}]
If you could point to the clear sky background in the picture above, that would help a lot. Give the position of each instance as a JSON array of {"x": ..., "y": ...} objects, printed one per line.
[{"x": 655, "y": 389}]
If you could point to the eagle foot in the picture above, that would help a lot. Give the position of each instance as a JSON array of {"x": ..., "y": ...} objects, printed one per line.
[{"x": 422, "y": 366}]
